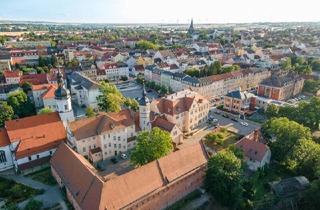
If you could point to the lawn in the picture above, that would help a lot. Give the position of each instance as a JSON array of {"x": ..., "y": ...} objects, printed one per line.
[
  {"x": 221, "y": 139},
  {"x": 44, "y": 176},
  {"x": 14, "y": 192}
]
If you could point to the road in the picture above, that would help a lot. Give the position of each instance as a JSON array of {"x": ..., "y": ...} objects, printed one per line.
[{"x": 133, "y": 90}]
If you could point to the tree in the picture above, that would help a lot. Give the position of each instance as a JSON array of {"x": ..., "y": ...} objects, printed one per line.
[
  {"x": 311, "y": 86},
  {"x": 110, "y": 99},
  {"x": 286, "y": 134},
  {"x": 311, "y": 197},
  {"x": 21, "y": 104},
  {"x": 33, "y": 205},
  {"x": 151, "y": 146},
  {"x": 90, "y": 112},
  {"x": 316, "y": 65},
  {"x": 286, "y": 64},
  {"x": 132, "y": 104},
  {"x": 193, "y": 72},
  {"x": 227, "y": 167},
  {"x": 271, "y": 111},
  {"x": 45, "y": 110},
  {"x": 305, "y": 158},
  {"x": 6, "y": 113},
  {"x": 145, "y": 45},
  {"x": 26, "y": 87}
]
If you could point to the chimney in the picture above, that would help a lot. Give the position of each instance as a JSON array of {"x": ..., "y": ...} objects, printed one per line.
[{"x": 256, "y": 135}]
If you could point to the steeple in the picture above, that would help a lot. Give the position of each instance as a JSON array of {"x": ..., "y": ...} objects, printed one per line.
[
  {"x": 144, "y": 100},
  {"x": 61, "y": 92},
  {"x": 191, "y": 28}
]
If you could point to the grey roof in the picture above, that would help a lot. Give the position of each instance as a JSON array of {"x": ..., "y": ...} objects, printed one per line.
[
  {"x": 79, "y": 79},
  {"x": 6, "y": 88},
  {"x": 280, "y": 79},
  {"x": 190, "y": 79},
  {"x": 291, "y": 186},
  {"x": 239, "y": 95}
]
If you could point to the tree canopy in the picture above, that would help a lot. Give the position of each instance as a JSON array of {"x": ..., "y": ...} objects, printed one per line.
[
  {"x": 21, "y": 104},
  {"x": 45, "y": 110},
  {"x": 286, "y": 134},
  {"x": 6, "y": 113},
  {"x": 223, "y": 178},
  {"x": 151, "y": 146},
  {"x": 110, "y": 99},
  {"x": 90, "y": 112}
]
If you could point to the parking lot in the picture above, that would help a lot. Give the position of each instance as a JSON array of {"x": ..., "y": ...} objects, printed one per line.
[
  {"x": 110, "y": 169},
  {"x": 133, "y": 90}
]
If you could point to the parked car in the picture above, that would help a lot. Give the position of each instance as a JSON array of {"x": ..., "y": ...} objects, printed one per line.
[
  {"x": 244, "y": 123},
  {"x": 114, "y": 160},
  {"x": 124, "y": 156},
  {"x": 234, "y": 119}
]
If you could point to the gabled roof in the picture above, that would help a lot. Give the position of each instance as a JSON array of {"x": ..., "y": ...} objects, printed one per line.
[
  {"x": 252, "y": 149},
  {"x": 79, "y": 79},
  {"x": 163, "y": 124},
  {"x": 35, "y": 134},
  {"x": 91, "y": 192},
  {"x": 103, "y": 122}
]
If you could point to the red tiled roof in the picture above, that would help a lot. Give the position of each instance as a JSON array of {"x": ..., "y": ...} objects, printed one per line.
[
  {"x": 252, "y": 149},
  {"x": 4, "y": 139},
  {"x": 12, "y": 74},
  {"x": 35, "y": 134},
  {"x": 163, "y": 124},
  {"x": 91, "y": 192},
  {"x": 34, "y": 79},
  {"x": 50, "y": 92},
  {"x": 103, "y": 122}
]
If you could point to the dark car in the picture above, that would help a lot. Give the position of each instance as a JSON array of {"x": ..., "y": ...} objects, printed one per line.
[
  {"x": 114, "y": 160},
  {"x": 234, "y": 119}
]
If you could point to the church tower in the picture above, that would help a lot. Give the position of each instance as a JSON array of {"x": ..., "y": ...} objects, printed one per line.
[
  {"x": 63, "y": 100},
  {"x": 144, "y": 111},
  {"x": 191, "y": 28}
]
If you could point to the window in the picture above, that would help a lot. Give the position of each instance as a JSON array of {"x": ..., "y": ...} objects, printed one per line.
[
  {"x": 105, "y": 146},
  {"x": 3, "y": 157},
  {"x": 38, "y": 156},
  {"x": 119, "y": 146},
  {"x": 118, "y": 138},
  {"x": 114, "y": 137},
  {"x": 29, "y": 158},
  {"x": 50, "y": 152},
  {"x": 109, "y": 144},
  {"x": 84, "y": 149},
  {"x": 65, "y": 107},
  {"x": 115, "y": 145}
]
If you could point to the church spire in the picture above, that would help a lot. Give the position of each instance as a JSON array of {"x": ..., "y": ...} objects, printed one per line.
[{"x": 191, "y": 28}]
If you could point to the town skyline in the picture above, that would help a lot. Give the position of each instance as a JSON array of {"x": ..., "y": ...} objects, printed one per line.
[{"x": 142, "y": 11}]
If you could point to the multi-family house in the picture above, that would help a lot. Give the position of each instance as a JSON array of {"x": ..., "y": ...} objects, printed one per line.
[
  {"x": 239, "y": 102},
  {"x": 281, "y": 86},
  {"x": 84, "y": 91},
  {"x": 112, "y": 133},
  {"x": 187, "y": 109}
]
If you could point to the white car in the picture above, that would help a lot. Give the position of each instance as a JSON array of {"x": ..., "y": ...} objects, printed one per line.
[
  {"x": 244, "y": 123},
  {"x": 124, "y": 156},
  {"x": 215, "y": 120}
]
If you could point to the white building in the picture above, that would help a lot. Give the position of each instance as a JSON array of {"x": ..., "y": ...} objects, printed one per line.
[{"x": 84, "y": 90}]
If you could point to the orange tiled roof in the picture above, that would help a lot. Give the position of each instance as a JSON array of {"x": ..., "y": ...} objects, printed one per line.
[
  {"x": 4, "y": 139},
  {"x": 50, "y": 92},
  {"x": 36, "y": 133},
  {"x": 252, "y": 149},
  {"x": 12, "y": 74},
  {"x": 91, "y": 192},
  {"x": 103, "y": 122}
]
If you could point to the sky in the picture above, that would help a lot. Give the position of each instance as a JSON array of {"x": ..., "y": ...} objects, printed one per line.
[{"x": 160, "y": 11}]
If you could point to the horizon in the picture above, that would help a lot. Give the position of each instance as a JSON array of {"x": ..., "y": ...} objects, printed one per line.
[{"x": 165, "y": 12}]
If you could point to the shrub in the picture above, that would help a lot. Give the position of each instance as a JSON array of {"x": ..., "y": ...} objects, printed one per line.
[{"x": 34, "y": 205}]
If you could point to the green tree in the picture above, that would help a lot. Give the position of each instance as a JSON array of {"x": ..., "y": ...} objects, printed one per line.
[
  {"x": 305, "y": 158},
  {"x": 111, "y": 98},
  {"x": 311, "y": 197},
  {"x": 145, "y": 45},
  {"x": 151, "y": 146},
  {"x": 45, "y": 110},
  {"x": 286, "y": 134},
  {"x": 271, "y": 111},
  {"x": 26, "y": 87},
  {"x": 90, "y": 112},
  {"x": 33, "y": 205},
  {"x": 193, "y": 72},
  {"x": 316, "y": 65},
  {"x": 21, "y": 104},
  {"x": 227, "y": 167},
  {"x": 132, "y": 104},
  {"x": 286, "y": 64},
  {"x": 6, "y": 113},
  {"x": 311, "y": 86}
]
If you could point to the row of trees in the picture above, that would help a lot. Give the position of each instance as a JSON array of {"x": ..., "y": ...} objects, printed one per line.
[
  {"x": 112, "y": 100},
  {"x": 146, "y": 45},
  {"x": 213, "y": 69},
  {"x": 306, "y": 113},
  {"x": 162, "y": 89}
]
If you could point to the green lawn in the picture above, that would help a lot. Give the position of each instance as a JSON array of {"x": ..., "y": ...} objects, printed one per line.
[
  {"x": 14, "y": 192},
  {"x": 225, "y": 138},
  {"x": 44, "y": 176}
]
